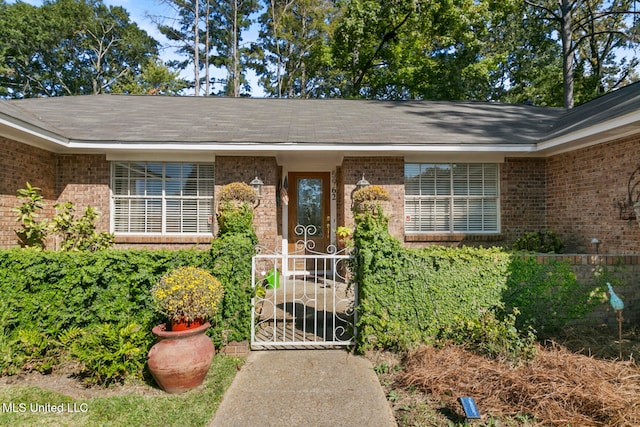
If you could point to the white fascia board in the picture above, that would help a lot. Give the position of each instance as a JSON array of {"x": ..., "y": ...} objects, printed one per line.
[
  {"x": 266, "y": 148},
  {"x": 591, "y": 135},
  {"x": 461, "y": 157},
  {"x": 32, "y": 135},
  {"x": 162, "y": 156}
]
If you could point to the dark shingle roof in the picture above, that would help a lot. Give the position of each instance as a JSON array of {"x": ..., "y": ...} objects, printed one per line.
[
  {"x": 606, "y": 107},
  {"x": 158, "y": 119}
]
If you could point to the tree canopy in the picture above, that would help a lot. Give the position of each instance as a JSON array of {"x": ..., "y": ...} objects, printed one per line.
[
  {"x": 68, "y": 47},
  {"x": 548, "y": 52}
]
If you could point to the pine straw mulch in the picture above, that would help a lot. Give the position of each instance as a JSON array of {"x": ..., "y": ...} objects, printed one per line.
[{"x": 557, "y": 388}]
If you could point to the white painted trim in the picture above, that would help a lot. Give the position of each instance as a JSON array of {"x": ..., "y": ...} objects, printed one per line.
[
  {"x": 590, "y": 134},
  {"x": 270, "y": 148},
  {"x": 455, "y": 158},
  {"x": 34, "y": 131},
  {"x": 202, "y": 157}
]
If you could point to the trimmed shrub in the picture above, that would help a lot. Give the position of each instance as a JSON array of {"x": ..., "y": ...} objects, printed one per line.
[
  {"x": 231, "y": 253},
  {"x": 547, "y": 296},
  {"x": 408, "y": 297},
  {"x": 98, "y": 304},
  {"x": 543, "y": 242}
]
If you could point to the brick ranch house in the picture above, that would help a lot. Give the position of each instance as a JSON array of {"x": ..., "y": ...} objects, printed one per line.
[{"x": 458, "y": 172}]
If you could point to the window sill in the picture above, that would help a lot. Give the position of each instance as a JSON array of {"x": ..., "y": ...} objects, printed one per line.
[
  {"x": 453, "y": 237},
  {"x": 163, "y": 239}
]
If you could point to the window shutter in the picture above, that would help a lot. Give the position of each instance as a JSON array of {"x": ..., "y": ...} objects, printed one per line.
[
  {"x": 162, "y": 197},
  {"x": 459, "y": 197}
]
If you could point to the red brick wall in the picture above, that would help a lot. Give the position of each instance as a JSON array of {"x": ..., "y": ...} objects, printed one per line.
[
  {"x": 522, "y": 197},
  {"x": 244, "y": 169},
  {"x": 19, "y": 164},
  {"x": 575, "y": 194},
  {"x": 387, "y": 172},
  {"x": 583, "y": 190},
  {"x": 84, "y": 181}
]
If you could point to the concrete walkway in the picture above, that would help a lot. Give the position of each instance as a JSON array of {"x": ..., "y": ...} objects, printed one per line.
[{"x": 317, "y": 388}]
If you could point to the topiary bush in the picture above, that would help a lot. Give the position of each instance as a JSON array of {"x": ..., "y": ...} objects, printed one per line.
[
  {"x": 234, "y": 213},
  {"x": 238, "y": 192},
  {"x": 232, "y": 251},
  {"x": 234, "y": 218},
  {"x": 372, "y": 199}
]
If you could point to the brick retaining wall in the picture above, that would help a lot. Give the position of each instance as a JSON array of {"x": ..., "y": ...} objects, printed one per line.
[{"x": 622, "y": 268}]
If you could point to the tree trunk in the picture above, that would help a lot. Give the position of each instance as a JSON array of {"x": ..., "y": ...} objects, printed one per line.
[
  {"x": 236, "y": 77},
  {"x": 567, "y": 53},
  {"x": 196, "y": 49},
  {"x": 207, "y": 49}
]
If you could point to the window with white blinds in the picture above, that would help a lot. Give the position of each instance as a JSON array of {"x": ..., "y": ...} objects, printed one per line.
[
  {"x": 451, "y": 198},
  {"x": 161, "y": 197}
]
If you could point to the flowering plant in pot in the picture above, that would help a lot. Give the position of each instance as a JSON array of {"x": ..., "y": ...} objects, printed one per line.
[
  {"x": 345, "y": 236},
  {"x": 372, "y": 199},
  {"x": 187, "y": 296},
  {"x": 181, "y": 357}
]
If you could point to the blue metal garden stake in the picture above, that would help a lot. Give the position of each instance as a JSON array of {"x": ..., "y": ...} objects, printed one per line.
[{"x": 618, "y": 306}]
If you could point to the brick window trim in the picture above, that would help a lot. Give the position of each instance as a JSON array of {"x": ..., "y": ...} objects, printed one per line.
[{"x": 178, "y": 240}]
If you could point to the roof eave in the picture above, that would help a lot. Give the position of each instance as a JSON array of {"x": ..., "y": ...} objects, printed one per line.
[
  {"x": 619, "y": 127},
  {"x": 33, "y": 135}
]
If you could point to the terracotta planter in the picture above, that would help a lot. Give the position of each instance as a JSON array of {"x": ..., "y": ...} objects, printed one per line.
[
  {"x": 180, "y": 360},
  {"x": 183, "y": 325}
]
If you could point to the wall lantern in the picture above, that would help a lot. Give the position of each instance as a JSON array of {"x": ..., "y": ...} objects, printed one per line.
[
  {"x": 257, "y": 185},
  {"x": 362, "y": 183}
]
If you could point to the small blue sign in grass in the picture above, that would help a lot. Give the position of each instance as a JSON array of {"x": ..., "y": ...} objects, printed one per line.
[{"x": 470, "y": 409}]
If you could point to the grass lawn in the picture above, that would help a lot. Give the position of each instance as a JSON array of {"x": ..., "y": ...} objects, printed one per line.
[{"x": 33, "y": 406}]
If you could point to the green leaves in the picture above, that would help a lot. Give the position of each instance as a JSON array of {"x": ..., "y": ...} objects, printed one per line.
[
  {"x": 33, "y": 232},
  {"x": 110, "y": 353},
  {"x": 68, "y": 47},
  {"x": 489, "y": 299},
  {"x": 547, "y": 296},
  {"x": 51, "y": 299},
  {"x": 76, "y": 233}
]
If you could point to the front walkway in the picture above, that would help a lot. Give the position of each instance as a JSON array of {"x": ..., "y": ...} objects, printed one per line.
[{"x": 318, "y": 388}]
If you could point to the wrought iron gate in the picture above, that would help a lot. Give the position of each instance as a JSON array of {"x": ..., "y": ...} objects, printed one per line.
[{"x": 303, "y": 299}]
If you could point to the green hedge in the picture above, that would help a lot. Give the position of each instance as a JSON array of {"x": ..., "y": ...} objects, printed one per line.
[
  {"x": 231, "y": 257},
  {"x": 95, "y": 307},
  {"x": 410, "y": 296}
]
